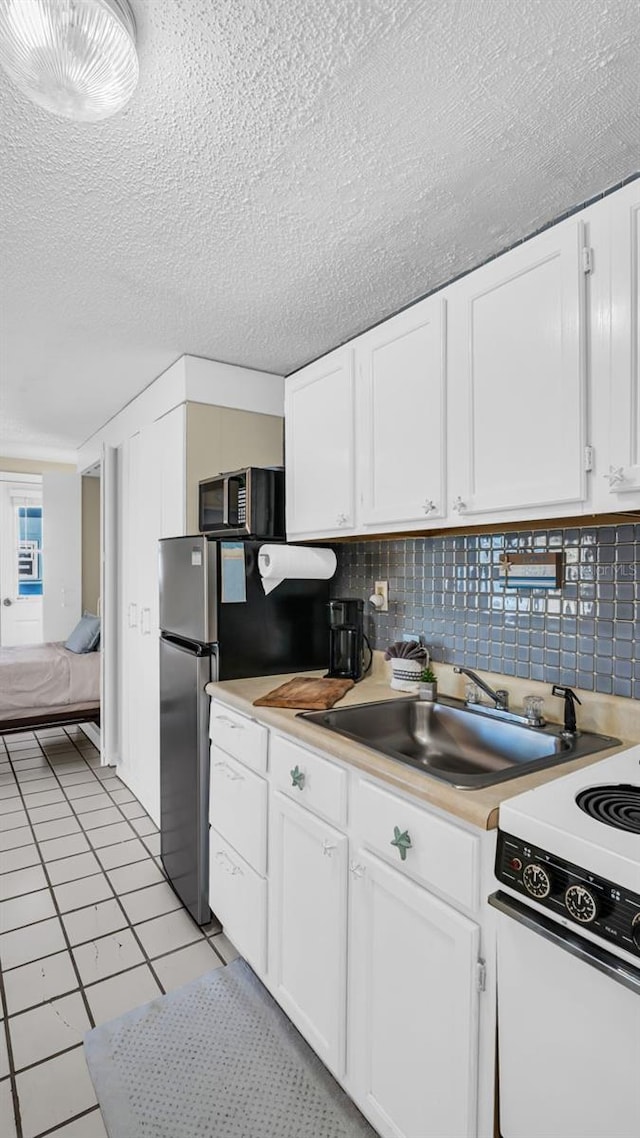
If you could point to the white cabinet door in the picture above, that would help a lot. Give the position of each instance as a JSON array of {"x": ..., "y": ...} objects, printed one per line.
[
  {"x": 153, "y": 507},
  {"x": 238, "y": 897},
  {"x": 413, "y": 1007},
  {"x": 401, "y": 404},
  {"x": 319, "y": 421},
  {"x": 621, "y": 473},
  {"x": 517, "y": 380},
  {"x": 308, "y": 926}
]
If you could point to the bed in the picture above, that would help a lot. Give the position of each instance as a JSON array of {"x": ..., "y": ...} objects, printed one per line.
[{"x": 46, "y": 684}]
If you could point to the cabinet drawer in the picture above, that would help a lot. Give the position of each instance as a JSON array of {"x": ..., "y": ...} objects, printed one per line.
[
  {"x": 238, "y": 897},
  {"x": 437, "y": 853},
  {"x": 239, "y": 736},
  {"x": 238, "y": 808},
  {"x": 310, "y": 780}
]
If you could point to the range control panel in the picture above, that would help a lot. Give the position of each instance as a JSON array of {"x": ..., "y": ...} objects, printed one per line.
[{"x": 606, "y": 909}]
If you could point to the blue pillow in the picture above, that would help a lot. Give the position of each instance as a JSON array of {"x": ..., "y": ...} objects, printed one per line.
[{"x": 86, "y": 634}]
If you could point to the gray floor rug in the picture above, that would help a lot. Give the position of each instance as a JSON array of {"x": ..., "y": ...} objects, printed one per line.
[{"x": 215, "y": 1059}]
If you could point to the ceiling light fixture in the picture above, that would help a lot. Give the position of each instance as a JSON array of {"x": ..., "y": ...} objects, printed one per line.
[{"x": 75, "y": 58}]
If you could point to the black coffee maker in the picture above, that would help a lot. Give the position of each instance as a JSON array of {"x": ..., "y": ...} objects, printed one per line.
[{"x": 347, "y": 640}]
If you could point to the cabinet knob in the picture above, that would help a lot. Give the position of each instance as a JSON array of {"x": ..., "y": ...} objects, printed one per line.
[
  {"x": 615, "y": 476},
  {"x": 401, "y": 841},
  {"x": 297, "y": 777},
  {"x": 328, "y": 848},
  {"x": 459, "y": 506},
  {"x": 342, "y": 519},
  {"x": 429, "y": 506},
  {"x": 357, "y": 870}
]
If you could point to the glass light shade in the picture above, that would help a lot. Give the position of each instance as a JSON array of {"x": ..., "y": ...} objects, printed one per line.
[{"x": 75, "y": 58}]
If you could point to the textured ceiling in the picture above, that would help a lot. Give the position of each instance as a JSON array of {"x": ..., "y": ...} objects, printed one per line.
[{"x": 287, "y": 174}]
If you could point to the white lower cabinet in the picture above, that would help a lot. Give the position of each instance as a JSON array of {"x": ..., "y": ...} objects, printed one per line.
[
  {"x": 356, "y": 930},
  {"x": 413, "y": 1007},
  {"x": 308, "y": 868},
  {"x": 238, "y": 897}
]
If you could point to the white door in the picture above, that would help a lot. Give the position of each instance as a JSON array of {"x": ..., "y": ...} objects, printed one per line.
[
  {"x": 400, "y": 404},
  {"x": 20, "y": 562},
  {"x": 319, "y": 427},
  {"x": 61, "y": 554},
  {"x": 621, "y": 473},
  {"x": 413, "y": 1007},
  {"x": 517, "y": 380},
  {"x": 153, "y": 506},
  {"x": 308, "y": 926}
]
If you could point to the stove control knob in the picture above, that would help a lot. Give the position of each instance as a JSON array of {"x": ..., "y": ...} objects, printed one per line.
[
  {"x": 581, "y": 904},
  {"x": 635, "y": 930},
  {"x": 536, "y": 881}
]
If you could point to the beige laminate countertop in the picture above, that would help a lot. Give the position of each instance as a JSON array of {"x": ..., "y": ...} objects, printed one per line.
[{"x": 480, "y": 807}]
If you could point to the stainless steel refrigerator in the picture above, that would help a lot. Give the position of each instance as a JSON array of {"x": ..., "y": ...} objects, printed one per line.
[{"x": 217, "y": 623}]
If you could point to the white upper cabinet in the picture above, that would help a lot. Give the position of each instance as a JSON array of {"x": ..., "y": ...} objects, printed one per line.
[
  {"x": 517, "y": 381},
  {"x": 400, "y": 403},
  {"x": 319, "y": 447},
  {"x": 512, "y": 394},
  {"x": 617, "y": 369}
]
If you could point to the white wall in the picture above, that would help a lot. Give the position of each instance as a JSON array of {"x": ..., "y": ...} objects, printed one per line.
[
  {"x": 189, "y": 379},
  {"x": 61, "y": 553}
]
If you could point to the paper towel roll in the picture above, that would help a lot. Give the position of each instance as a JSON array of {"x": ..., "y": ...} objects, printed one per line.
[{"x": 278, "y": 563}]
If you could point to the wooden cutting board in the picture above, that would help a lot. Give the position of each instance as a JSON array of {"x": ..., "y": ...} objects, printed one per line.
[{"x": 306, "y": 694}]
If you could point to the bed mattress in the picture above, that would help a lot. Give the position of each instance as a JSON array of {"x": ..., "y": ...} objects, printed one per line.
[{"x": 46, "y": 676}]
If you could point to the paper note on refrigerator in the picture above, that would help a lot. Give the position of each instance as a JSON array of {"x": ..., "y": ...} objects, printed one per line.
[{"x": 233, "y": 572}]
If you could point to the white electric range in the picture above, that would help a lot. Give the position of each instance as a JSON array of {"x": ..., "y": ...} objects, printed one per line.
[{"x": 568, "y": 929}]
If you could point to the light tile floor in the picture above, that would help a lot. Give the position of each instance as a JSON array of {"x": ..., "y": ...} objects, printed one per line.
[{"x": 89, "y": 927}]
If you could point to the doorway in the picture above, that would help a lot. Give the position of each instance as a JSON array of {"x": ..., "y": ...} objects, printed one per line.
[{"x": 21, "y": 585}]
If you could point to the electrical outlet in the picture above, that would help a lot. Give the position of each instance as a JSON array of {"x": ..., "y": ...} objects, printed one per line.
[{"x": 381, "y": 589}]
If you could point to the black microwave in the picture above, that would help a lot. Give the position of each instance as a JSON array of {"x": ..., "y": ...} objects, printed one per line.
[{"x": 246, "y": 503}]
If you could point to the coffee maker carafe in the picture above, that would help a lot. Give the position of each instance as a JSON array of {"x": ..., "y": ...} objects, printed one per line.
[{"x": 347, "y": 640}]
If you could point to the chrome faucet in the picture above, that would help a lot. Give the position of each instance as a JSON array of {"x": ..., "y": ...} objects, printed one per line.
[{"x": 499, "y": 697}]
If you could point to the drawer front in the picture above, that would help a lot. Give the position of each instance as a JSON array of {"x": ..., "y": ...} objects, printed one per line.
[
  {"x": 239, "y": 736},
  {"x": 424, "y": 846},
  {"x": 310, "y": 780},
  {"x": 238, "y": 897},
  {"x": 238, "y": 808}
]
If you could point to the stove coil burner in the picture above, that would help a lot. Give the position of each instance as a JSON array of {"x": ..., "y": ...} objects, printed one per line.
[{"x": 617, "y": 806}]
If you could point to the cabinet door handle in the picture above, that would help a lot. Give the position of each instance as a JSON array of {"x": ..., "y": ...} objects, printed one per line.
[
  {"x": 328, "y": 848},
  {"x": 357, "y": 870},
  {"x": 229, "y": 723},
  {"x": 429, "y": 506},
  {"x": 401, "y": 841},
  {"x": 297, "y": 777},
  {"x": 615, "y": 476},
  {"x": 227, "y": 864},
  {"x": 232, "y": 775},
  {"x": 133, "y": 615},
  {"x": 145, "y": 622},
  {"x": 459, "y": 506}
]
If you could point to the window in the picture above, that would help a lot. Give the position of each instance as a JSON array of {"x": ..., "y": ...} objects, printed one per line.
[{"x": 29, "y": 533}]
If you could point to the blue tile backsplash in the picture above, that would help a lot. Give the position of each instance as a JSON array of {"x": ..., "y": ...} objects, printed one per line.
[{"x": 447, "y": 588}]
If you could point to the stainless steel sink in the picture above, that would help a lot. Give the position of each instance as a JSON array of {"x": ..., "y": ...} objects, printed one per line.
[{"x": 466, "y": 747}]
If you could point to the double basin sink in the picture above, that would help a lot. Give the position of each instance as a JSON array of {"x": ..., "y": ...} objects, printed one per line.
[{"x": 464, "y": 746}]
